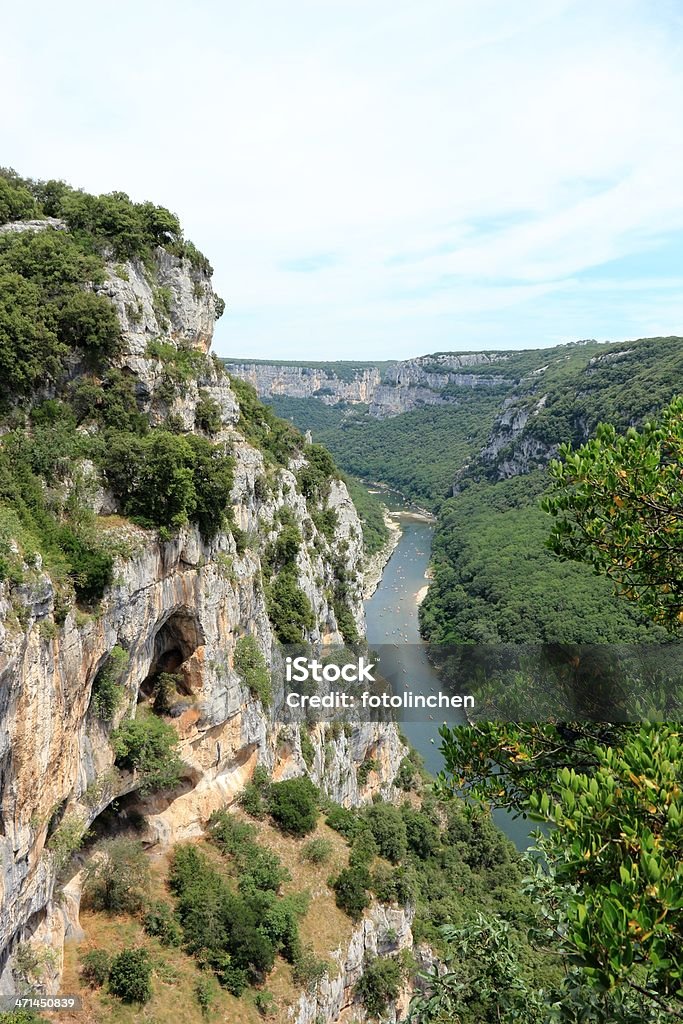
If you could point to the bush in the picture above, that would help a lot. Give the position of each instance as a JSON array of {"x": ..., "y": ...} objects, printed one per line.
[
  {"x": 260, "y": 868},
  {"x": 308, "y": 970},
  {"x": 389, "y": 830},
  {"x": 118, "y": 881},
  {"x": 364, "y": 769},
  {"x": 22, "y": 1017},
  {"x": 68, "y": 837},
  {"x": 265, "y": 1003},
  {"x": 130, "y": 976},
  {"x": 206, "y": 993},
  {"x": 148, "y": 745},
  {"x": 293, "y": 805},
  {"x": 407, "y": 776},
  {"x": 107, "y": 692},
  {"x": 89, "y": 322},
  {"x": 160, "y": 923},
  {"x": 252, "y": 669},
  {"x": 317, "y": 851},
  {"x": 95, "y": 967},
  {"x": 288, "y": 608},
  {"x": 315, "y": 478},
  {"x": 165, "y": 692},
  {"x": 16, "y": 201},
  {"x": 208, "y": 414},
  {"x": 222, "y": 928},
  {"x": 347, "y": 822},
  {"x": 364, "y": 848},
  {"x": 165, "y": 480},
  {"x": 351, "y": 891},
  {"x": 307, "y": 747},
  {"x": 380, "y": 984}
]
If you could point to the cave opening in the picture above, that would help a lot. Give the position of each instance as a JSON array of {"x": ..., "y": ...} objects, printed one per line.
[{"x": 174, "y": 677}]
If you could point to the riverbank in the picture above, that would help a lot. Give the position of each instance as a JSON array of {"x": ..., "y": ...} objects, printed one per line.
[{"x": 372, "y": 577}]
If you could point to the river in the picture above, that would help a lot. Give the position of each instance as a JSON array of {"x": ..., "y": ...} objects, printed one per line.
[{"x": 392, "y": 626}]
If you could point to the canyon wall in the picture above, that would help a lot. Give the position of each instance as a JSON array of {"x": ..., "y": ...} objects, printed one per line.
[
  {"x": 177, "y": 599},
  {"x": 388, "y": 389}
]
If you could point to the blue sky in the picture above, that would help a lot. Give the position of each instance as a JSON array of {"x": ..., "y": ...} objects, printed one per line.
[{"x": 379, "y": 178}]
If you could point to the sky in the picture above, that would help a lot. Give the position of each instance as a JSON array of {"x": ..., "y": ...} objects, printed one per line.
[{"x": 377, "y": 179}]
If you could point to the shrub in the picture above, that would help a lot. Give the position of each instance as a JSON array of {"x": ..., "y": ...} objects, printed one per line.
[
  {"x": 293, "y": 805},
  {"x": 222, "y": 928},
  {"x": 22, "y": 1017},
  {"x": 118, "y": 881},
  {"x": 307, "y": 747},
  {"x": 89, "y": 322},
  {"x": 130, "y": 976},
  {"x": 252, "y": 669},
  {"x": 351, "y": 891},
  {"x": 260, "y": 868},
  {"x": 364, "y": 848},
  {"x": 206, "y": 993},
  {"x": 95, "y": 967},
  {"x": 308, "y": 970},
  {"x": 421, "y": 832},
  {"x": 407, "y": 776},
  {"x": 289, "y": 609},
  {"x": 165, "y": 692},
  {"x": 252, "y": 797},
  {"x": 317, "y": 851},
  {"x": 389, "y": 830},
  {"x": 380, "y": 984},
  {"x": 160, "y": 923},
  {"x": 16, "y": 201},
  {"x": 264, "y": 1002},
  {"x": 167, "y": 480},
  {"x": 68, "y": 837},
  {"x": 251, "y": 801},
  {"x": 91, "y": 568},
  {"x": 208, "y": 414},
  {"x": 347, "y": 822},
  {"x": 107, "y": 692},
  {"x": 315, "y": 477},
  {"x": 148, "y": 745},
  {"x": 364, "y": 769}
]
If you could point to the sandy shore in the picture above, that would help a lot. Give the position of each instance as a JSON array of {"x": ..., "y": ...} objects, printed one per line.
[
  {"x": 421, "y": 594},
  {"x": 375, "y": 567}
]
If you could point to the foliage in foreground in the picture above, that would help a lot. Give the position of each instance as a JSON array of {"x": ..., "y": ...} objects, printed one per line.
[{"x": 613, "y": 795}]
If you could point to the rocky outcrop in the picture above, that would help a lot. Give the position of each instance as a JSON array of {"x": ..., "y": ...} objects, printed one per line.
[
  {"x": 182, "y": 602},
  {"x": 388, "y": 389},
  {"x": 309, "y": 381},
  {"x": 385, "y": 931},
  {"x": 17, "y": 227}
]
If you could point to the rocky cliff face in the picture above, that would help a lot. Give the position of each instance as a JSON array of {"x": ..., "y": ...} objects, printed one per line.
[
  {"x": 388, "y": 390},
  {"x": 309, "y": 382},
  {"x": 384, "y": 932},
  {"x": 181, "y": 601}
]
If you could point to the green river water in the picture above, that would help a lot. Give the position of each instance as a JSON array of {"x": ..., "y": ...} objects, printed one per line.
[{"x": 392, "y": 626}]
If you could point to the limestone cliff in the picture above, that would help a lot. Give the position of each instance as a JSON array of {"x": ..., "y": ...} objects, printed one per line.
[
  {"x": 388, "y": 389},
  {"x": 178, "y": 601}
]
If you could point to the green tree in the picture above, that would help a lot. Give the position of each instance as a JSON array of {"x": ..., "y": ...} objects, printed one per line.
[
  {"x": 119, "y": 879},
  {"x": 618, "y": 505},
  {"x": 130, "y": 976},
  {"x": 148, "y": 745},
  {"x": 293, "y": 805},
  {"x": 612, "y": 794}
]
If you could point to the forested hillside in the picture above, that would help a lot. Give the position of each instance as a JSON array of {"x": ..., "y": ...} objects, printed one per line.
[
  {"x": 494, "y": 577},
  {"x": 418, "y": 452}
]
